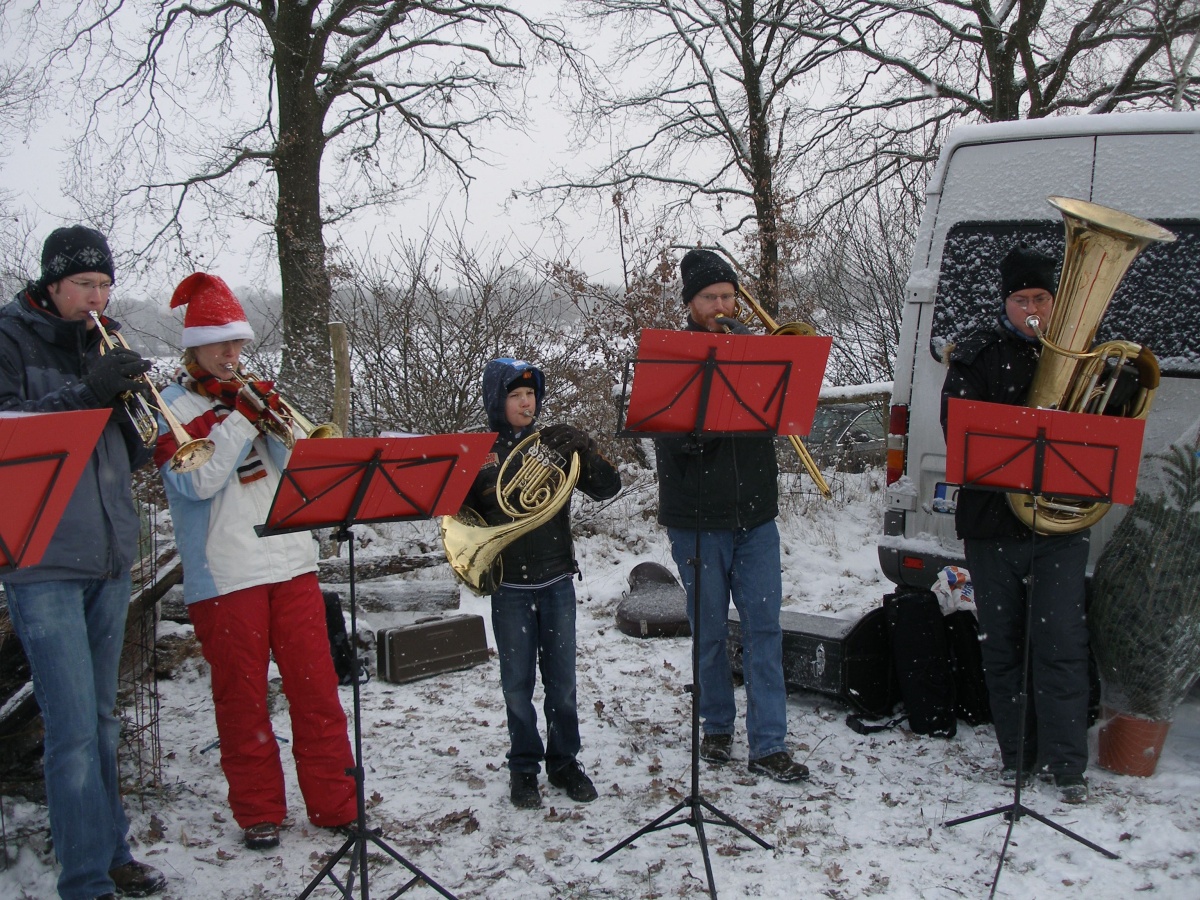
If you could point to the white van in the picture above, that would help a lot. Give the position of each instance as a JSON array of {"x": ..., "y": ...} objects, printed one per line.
[{"x": 988, "y": 193}]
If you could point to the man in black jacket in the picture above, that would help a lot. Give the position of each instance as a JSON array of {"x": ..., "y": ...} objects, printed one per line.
[
  {"x": 69, "y": 610},
  {"x": 997, "y": 365},
  {"x": 721, "y": 494},
  {"x": 533, "y": 610}
]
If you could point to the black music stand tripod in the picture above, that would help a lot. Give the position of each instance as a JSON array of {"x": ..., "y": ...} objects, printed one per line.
[
  {"x": 1046, "y": 453},
  {"x": 704, "y": 373},
  {"x": 332, "y": 494}
]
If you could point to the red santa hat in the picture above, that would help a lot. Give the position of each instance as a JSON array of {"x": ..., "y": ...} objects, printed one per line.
[{"x": 213, "y": 313}]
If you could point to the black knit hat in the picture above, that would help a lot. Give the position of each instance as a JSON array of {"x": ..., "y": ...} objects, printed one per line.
[
  {"x": 70, "y": 251},
  {"x": 700, "y": 268},
  {"x": 1024, "y": 268},
  {"x": 528, "y": 378}
]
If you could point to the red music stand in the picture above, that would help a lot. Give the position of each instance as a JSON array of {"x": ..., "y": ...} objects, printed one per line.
[
  {"x": 688, "y": 382},
  {"x": 697, "y": 381},
  {"x": 339, "y": 482},
  {"x": 1077, "y": 456},
  {"x": 42, "y": 456}
]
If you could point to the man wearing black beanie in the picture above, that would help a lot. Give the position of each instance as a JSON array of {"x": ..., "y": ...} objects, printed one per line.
[
  {"x": 722, "y": 494},
  {"x": 997, "y": 364},
  {"x": 69, "y": 609}
]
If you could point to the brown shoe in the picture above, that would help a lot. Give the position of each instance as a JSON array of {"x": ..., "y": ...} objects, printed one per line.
[
  {"x": 779, "y": 766},
  {"x": 262, "y": 836},
  {"x": 136, "y": 879}
]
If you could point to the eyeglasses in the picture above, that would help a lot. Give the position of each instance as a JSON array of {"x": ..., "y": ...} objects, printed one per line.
[
  {"x": 88, "y": 286},
  {"x": 715, "y": 298},
  {"x": 1026, "y": 302}
]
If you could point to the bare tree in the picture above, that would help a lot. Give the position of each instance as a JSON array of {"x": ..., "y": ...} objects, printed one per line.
[
  {"x": 711, "y": 121},
  {"x": 423, "y": 324},
  {"x": 747, "y": 107},
  {"x": 906, "y": 71},
  {"x": 290, "y": 115},
  {"x": 21, "y": 89},
  {"x": 859, "y": 265}
]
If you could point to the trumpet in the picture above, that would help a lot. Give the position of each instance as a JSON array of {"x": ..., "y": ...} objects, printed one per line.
[
  {"x": 279, "y": 421},
  {"x": 192, "y": 452}
]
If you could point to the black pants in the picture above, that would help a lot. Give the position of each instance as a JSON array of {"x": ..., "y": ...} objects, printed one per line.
[{"x": 1056, "y": 727}]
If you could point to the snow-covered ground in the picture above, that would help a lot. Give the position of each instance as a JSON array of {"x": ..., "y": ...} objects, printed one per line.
[{"x": 869, "y": 823}]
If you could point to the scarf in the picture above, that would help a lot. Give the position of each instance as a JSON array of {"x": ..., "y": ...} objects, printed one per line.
[{"x": 223, "y": 395}]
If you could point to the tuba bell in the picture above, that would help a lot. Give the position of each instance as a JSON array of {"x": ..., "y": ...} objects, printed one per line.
[
  {"x": 532, "y": 496},
  {"x": 1071, "y": 374}
]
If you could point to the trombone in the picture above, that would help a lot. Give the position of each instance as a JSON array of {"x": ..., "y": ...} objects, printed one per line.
[
  {"x": 192, "y": 452},
  {"x": 279, "y": 421},
  {"x": 774, "y": 328}
]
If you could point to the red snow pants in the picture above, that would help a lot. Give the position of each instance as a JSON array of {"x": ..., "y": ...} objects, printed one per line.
[{"x": 238, "y": 633}]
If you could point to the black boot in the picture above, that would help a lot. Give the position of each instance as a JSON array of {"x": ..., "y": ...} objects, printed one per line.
[{"x": 524, "y": 791}]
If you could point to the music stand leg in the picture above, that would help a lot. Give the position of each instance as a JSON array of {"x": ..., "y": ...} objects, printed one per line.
[
  {"x": 694, "y": 803},
  {"x": 1013, "y": 811},
  {"x": 360, "y": 836}
]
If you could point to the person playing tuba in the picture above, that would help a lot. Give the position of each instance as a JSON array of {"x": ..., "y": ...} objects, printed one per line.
[
  {"x": 533, "y": 609},
  {"x": 997, "y": 363},
  {"x": 250, "y": 597}
]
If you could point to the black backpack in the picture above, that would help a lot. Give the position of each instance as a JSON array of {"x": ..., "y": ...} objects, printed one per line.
[
  {"x": 966, "y": 666},
  {"x": 921, "y": 657},
  {"x": 339, "y": 643},
  {"x": 937, "y": 663}
]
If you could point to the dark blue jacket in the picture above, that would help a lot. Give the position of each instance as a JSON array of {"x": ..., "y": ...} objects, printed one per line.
[
  {"x": 41, "y": 367},
  {"x": 545, "y": 554}
]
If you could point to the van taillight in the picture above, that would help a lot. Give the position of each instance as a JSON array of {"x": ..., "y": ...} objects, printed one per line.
[{"x": 897, "y": 440}]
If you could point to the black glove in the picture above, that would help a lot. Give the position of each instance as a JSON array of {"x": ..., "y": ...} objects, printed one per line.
[
  {"x": 734, "y": 326},
  {"x": 565, "y": 439},
  {"x": 113, "y": 373}
]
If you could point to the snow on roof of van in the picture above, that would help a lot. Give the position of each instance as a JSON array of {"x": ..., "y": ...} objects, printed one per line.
[{"x": 1060, "y": 126}]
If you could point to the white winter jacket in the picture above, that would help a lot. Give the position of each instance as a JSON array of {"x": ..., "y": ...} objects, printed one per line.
[{"x": 214, "y": 513}]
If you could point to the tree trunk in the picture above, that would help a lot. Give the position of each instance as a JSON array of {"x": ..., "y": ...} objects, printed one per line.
[
  {"x": 306, "y": 366},
  {"x": 761, "y": 169}
]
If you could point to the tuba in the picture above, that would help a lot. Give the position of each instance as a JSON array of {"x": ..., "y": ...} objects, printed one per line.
[
  {"x": 1071, "y": 374},
  {"x": 192, "y": 452},
  {"x": 537, "y": 490}
]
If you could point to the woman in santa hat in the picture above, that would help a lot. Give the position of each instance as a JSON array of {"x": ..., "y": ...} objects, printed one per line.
[{"x": 248, "y": 596}]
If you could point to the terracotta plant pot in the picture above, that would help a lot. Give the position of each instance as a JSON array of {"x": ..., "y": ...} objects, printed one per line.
[{"x": 1130, "y": 745}]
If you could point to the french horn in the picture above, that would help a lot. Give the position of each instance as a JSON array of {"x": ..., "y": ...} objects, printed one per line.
[{"x": 531, "y": 496}]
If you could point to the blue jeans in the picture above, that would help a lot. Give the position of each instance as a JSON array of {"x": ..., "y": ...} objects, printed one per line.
[
  {"x": 536, "y": 629},
  {"x": 72, "y": 632},
  {"x": 744, "y": 564}
]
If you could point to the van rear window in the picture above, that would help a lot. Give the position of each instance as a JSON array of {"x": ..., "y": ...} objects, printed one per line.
[{"x": 1156, "y": 304}]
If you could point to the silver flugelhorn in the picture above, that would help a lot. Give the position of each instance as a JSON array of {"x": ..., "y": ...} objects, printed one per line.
[{"x": 192, "y": 453}]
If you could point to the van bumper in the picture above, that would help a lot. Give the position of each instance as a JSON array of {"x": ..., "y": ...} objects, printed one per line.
[{"x": 910, "y": 563}]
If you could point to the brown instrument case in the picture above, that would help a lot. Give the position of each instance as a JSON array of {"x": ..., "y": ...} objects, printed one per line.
[{"x": 430, "y": 645}]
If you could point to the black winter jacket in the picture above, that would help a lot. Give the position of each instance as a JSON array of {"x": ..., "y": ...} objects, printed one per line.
[
  {"x": 545, "y": 554},
  {"x": 995, "y": 365},
  {"x": 716, "y": 483},
  {"x": 41, "y": 367}
]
